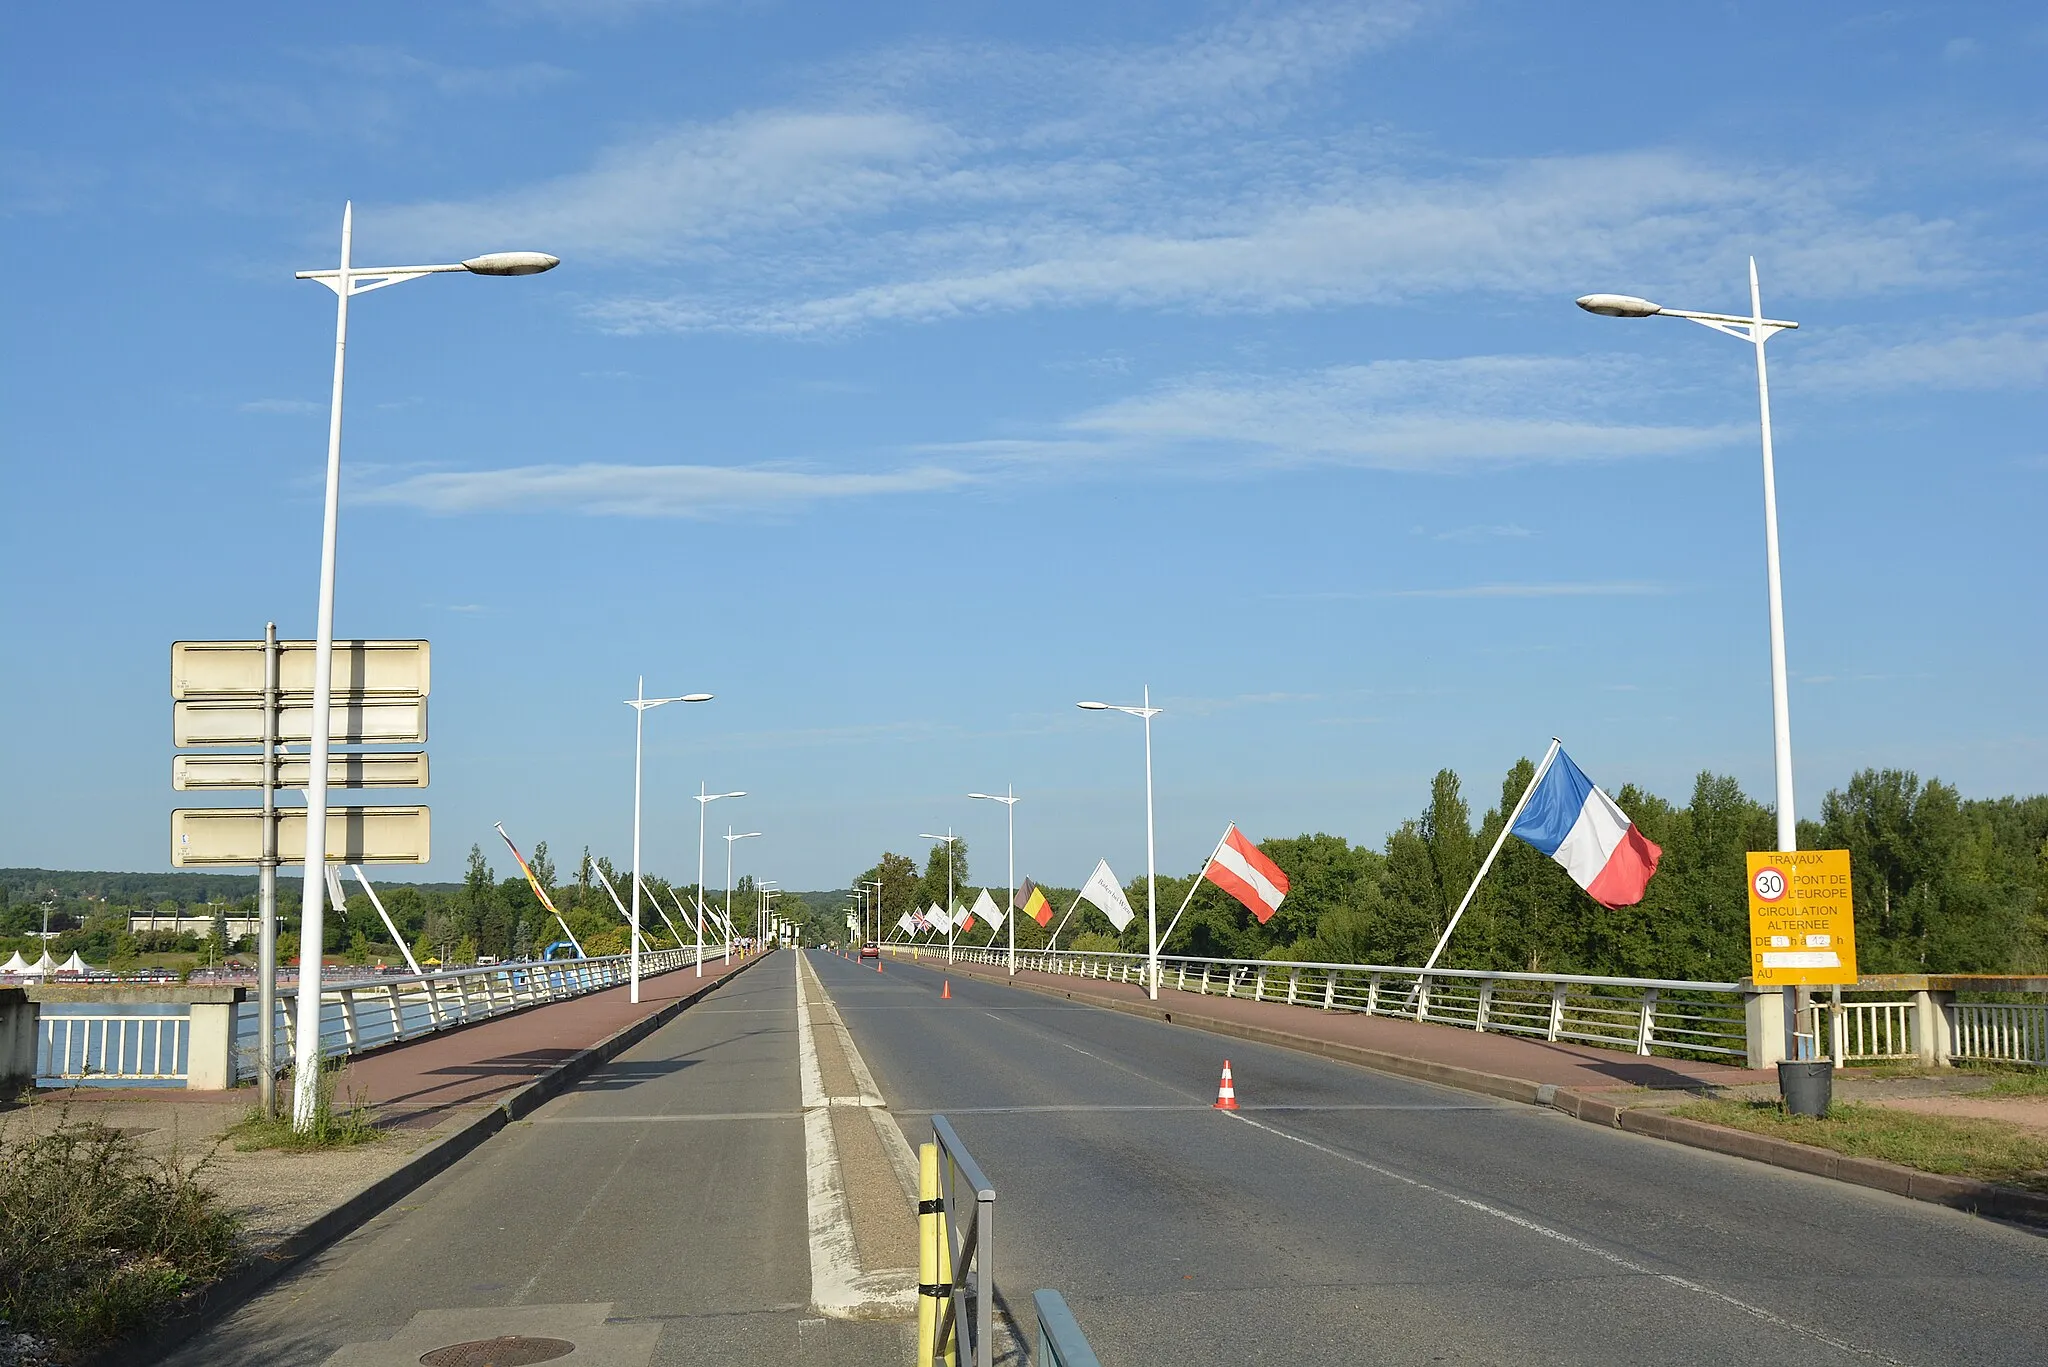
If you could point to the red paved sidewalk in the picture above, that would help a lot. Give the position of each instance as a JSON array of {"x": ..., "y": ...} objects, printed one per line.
[
  {"x": 1573, "y": 1067},
  {"x": 483, "y": 1063}
]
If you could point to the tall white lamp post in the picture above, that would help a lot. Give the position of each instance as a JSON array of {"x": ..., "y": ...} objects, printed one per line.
[
  {"x": 1147, "y": 712},
  {"x": 730, "y": 841},
  {"x": 704, "y": 801},
  {"x": 346, "y": 281},
  {"x": 1756, "y": 330},
  {"x": 876, "y": 884},
  {"x": 641, "y": 704},
  {"x": 1009, "y": 800},
  {"x": 764, "y": 902},
  {"x": 949, "y": 838}
]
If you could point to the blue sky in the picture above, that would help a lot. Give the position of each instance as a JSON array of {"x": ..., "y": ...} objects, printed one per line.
[{"x": 916, "y": 370}]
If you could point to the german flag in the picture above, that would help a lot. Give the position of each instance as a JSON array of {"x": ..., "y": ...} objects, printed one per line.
[{"x": 1031, "y": 901}]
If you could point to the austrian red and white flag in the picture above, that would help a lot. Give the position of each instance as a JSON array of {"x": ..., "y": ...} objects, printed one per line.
[{"x": 1242, "y": 871}]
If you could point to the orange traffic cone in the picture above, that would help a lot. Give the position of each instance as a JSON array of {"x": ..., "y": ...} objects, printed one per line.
[
  {"x": 946, "y": 992},
  {"x": 1226, "y": 1095}
]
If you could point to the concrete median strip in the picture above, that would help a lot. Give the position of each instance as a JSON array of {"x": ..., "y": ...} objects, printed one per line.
[
  {"x": 269, "y": 1263},
  {"x": 1958, "y": 1193},
  {"x": 862, "y": 1236}
]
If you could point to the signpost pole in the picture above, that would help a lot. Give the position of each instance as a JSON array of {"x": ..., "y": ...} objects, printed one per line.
[{"x": 266, "y": 909}]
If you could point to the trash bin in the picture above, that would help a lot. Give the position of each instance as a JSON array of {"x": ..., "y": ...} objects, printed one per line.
[{"x": 1807, "y": 1085}]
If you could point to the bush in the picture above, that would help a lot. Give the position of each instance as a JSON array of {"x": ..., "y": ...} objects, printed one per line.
[{"x": 97, "y": 1238}]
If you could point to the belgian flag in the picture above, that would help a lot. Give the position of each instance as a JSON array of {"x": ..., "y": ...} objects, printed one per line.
[{"x": 1031, "y": 901}]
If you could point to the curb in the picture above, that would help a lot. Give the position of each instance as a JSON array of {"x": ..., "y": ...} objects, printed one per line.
[
  {"x": 229, "y": 1294},
  {"x": 1966, "y": 1194}
]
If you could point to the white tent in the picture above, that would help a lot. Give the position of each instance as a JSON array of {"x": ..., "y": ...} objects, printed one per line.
[
  {"x": 41, "y": 967},
  {"x": 74, "y": 964},
  {"x": 16, "y": 964}
]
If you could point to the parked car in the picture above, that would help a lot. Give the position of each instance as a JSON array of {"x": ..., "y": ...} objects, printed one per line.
[{"x": 871, "y": 950}]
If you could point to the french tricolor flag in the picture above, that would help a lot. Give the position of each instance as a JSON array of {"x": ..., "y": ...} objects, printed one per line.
[{"x": 1580, "y": 827}]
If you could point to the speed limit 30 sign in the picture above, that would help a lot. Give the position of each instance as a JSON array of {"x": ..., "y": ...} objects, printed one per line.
[{"x": 1802, "y": 918}]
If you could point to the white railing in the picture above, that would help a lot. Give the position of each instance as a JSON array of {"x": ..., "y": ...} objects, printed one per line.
[
  {"x": 356, "y": 1016},
  {"x": 1642, "y": 1015},
  {"x": 78, "y": 1043},
  {"x": 2000, "y": 1032},
  {"x": 144, "y": 1048}
]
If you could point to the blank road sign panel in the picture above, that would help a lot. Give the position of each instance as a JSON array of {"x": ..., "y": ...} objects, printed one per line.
[
  {"x": 353, "y": 720},
  {"x": 206, "y": 836},
  {"x": 377, "y": 770},
  {"x": 204, "y": 669}
]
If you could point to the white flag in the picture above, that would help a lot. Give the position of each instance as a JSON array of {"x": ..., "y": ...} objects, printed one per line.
[
  {"x": 985, "y": 909},
  {"x": 938, "y": 920},
  {"x": 906, "y": 925},
  {"x": 1103, "y": 891}
]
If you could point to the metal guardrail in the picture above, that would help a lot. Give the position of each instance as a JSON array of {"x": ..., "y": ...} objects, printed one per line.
[
  {"x": 359, "y": 1016},
  {"x": 1642, "y": 1015},
  {"x": 967, "y": 1312},
  {"x": 144, "y": 1047},
  {"x": 1060, "y": 1340},
  {"x": 79, "y": 1043},
  {"x": 1999, "y": 1032}
]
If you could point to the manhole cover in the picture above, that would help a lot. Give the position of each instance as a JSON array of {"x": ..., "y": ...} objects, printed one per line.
[{"x": 511, "y": 1350}]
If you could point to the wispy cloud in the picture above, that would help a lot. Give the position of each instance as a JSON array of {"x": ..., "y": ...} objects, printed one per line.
[
  {"x": 1996, "y": 353},
  {"x": 1623, "y": 588},
  {"x": 1388, "y": 415},
  {"x": 1509, "y": 531},
  {"x": 1611, "y": 588},
  {"x": 608, "y": 490},
  {"x": 938, "y": 182},
  {"x": 396, "y": 65},
  {"x": 285, "y": 407}
]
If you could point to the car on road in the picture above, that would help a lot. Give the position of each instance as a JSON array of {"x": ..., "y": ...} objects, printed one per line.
[{"x": 871, "y": 950}]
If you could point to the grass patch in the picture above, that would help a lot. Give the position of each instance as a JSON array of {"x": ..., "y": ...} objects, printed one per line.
[
  {"x": 2019, "y": 1082},
  {"x": 98, "y": 1239},
  {"x": 1955, "y": 1146},
  {"x": 352, "y": 1124}
]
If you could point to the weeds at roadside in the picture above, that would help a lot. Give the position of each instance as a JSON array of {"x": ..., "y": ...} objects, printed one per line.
[
  {"x": 98, "y": 1239},
  {"x": 1956, "y": 1146},
  {"x": 354, "y": 1123}
]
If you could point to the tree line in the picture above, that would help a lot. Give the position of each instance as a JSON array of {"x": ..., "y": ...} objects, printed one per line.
[{"x": 1943, "y": 884}]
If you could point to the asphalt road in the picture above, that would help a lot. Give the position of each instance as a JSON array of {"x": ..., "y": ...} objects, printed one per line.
[
  {"x": 1348, "y": 1217},
  {"x": 669, "y": 1186}
]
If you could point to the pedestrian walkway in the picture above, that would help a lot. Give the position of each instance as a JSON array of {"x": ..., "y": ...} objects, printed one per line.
[
  {"x": 1508, "y": 1058},
  {"x": 419, "y": 1083}
]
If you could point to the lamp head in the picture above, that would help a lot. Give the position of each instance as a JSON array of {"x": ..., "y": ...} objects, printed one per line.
[
  {"x": 1093, "y": 706},
  {"x": 697, "y": 697},
  {"x": 511, "y": 263},
  {"x": 1618, "y": 306}
]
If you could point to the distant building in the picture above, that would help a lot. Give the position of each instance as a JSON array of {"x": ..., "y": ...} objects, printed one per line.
[{"x": 200, "y": 925}]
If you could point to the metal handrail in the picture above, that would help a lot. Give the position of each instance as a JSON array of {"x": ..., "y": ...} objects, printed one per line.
[
  {"x": 1060, "y": 1340},
  {"x": 968, "y": 1308}
]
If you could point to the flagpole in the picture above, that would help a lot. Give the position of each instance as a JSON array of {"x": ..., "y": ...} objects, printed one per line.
[
  {"x": 1062, "y": 925},
  {"x": 616, "y": 902},
  {"x": 1549, "y": 756},
  {"x": 662, "y": 914},
  {"x": 535, "y": 882},
  {"x": 1192, "y": 886}
]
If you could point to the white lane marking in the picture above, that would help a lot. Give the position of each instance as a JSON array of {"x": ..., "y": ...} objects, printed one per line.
[
  {"x": 838, "y": 1286},
  {"x": 663, "y": 1119},
  {"x": 1196, "y": 1106},
  {"x": 1573, "y": 1241}
]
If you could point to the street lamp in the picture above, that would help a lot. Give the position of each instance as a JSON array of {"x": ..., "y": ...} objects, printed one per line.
[
  {"x": 949, "y": 838},
  {"x": 1009, "y": 800},
  {"x": 1756, "y": 330},
  {"x": 704, "y": 800},
  {"x": 730, "y": 841},
  {"x": 346, "y": 281},
  {"x": 642, "y": 705},
  {"x": 1147, "y": 712},
  {"x": 764, "y": 899},
  {"x": 876, "y": 884}
]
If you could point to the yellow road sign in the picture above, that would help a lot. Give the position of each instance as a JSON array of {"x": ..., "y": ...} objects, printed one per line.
[{"x": 1802, "y": 918}]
